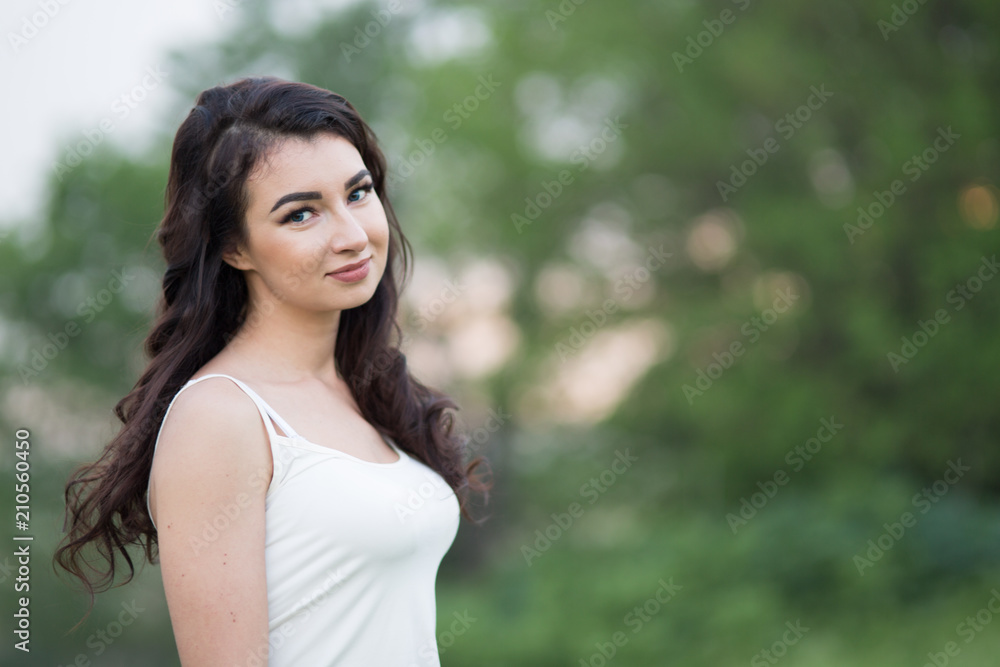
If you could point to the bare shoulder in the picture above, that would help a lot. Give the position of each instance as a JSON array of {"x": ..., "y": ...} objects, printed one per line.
[
  {"x": 214, "y": 426},
  {"x": 210, "y": 473}
]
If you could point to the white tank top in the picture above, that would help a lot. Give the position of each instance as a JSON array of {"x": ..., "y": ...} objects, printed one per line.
[{"x": 352, "y": 552}]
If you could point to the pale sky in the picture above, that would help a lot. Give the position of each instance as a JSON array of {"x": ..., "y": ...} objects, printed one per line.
[
  {"x": 78, "y": 73},
  {"x": 66, "y": 65},
  {"x": 70, "y": 73}
]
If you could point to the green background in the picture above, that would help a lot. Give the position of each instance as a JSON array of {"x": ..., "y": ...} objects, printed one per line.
[{"x": 584, "y": 356}]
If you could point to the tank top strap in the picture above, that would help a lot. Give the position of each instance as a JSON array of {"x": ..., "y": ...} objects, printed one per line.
[
  {"x": 265, "y": 409},
  {"x": 267, "y": 413}
]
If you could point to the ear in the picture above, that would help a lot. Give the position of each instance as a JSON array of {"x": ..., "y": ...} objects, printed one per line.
[{"x": 237, "y": 258}]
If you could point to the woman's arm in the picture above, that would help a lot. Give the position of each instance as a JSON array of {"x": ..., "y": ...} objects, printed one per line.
[{"x": 211, "y": 470}]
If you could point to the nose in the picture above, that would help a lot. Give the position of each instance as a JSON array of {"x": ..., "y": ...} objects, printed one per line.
[{"x": 346, "y": 233}]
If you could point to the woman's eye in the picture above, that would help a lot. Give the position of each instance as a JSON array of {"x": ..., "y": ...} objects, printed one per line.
[
  {"x": 300, "y": 215},
  {"x": 360, "y": 193}
]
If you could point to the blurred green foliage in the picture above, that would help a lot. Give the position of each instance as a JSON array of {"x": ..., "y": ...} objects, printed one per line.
[{"x": 697, "y": 93}]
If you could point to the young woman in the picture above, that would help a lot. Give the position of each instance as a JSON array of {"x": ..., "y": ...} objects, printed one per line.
[{"x": 297, "y": 485}]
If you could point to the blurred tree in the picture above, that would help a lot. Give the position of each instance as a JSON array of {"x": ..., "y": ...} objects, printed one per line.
[{"x": 750, "y": 245}]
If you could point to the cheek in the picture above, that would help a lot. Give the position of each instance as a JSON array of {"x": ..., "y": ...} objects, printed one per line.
[
  {"x": 285, "y": 262},
  {"x": 378, "y": 229},
  {"x": 278, "y": 256},
  {"x": 381, "y": 239}
]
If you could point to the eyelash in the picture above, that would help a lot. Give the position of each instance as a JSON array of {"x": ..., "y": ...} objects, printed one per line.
[{"x": 367, "y": 188}]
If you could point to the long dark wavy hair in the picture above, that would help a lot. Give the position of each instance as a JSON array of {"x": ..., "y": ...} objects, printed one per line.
[{"x": 204, "y": 304}]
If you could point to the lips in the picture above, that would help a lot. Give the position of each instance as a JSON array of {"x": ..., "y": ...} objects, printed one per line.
[{"x": 350, "y": 267}]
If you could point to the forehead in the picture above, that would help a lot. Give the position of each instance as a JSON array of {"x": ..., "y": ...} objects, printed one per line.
[{"x": 320, "y": 162}]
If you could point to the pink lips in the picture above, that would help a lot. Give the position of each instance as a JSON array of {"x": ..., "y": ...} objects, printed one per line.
[{"x": 353, "y": 272}]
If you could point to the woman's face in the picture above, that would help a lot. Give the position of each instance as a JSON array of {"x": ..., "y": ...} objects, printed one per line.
[{"x": 313, "y": 212}]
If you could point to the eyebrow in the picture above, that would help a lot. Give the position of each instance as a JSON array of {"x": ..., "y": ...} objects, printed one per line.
[{"x": 314, "y": 194}]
